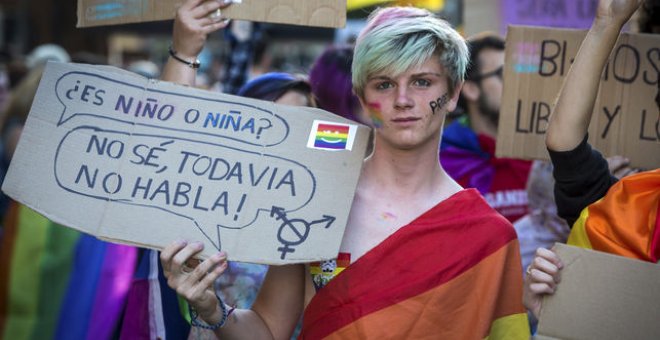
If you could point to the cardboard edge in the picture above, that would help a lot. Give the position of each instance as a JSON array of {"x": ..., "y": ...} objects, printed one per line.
[{"x": 228, "y": 13}]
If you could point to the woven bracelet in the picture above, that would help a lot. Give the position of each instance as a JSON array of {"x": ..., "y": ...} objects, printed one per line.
[
  {"x": 192, "y": 64},
  {"x": 201, "y": 324}
]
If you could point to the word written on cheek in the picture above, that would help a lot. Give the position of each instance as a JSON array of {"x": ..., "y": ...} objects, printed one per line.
[{"x": 439, "y": 103}]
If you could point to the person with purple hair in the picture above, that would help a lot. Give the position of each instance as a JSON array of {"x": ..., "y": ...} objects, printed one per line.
[
  {"x": 421, "y": 257},
  {"x": 330, "y": 77}
]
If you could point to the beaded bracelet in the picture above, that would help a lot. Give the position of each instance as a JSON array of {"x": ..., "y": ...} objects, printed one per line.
[
  {"x": 193, "y": 64},
  {"x": 201, "y": 324}
]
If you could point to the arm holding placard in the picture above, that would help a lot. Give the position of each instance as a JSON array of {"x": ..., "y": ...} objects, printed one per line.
[
  {"x": 273, "y": 315},
  {"x": 280, "y": 301},
  {"x": 568, "y": 127}
]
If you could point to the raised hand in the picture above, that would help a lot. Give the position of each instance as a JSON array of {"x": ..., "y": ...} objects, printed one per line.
[
  {"x": 194, "y": 20},
  {"x": 195, "y": 284},
  {"x": 571, "y": 116},
  {"x": 617, "y": 11}
]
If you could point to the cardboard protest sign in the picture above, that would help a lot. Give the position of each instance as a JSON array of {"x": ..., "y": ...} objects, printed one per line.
[
  {"x": 322, "y": 13},
  {"x": 143, "y": 162},
  {"x": 602, "y": 296},
  {"x": 549, "y": 13},
  {"x": 496, "y": 15},
  {"x": 626, "y": 117}
]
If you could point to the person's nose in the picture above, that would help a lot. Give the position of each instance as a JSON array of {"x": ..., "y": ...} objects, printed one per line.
[{"x": 403, "y": 99}]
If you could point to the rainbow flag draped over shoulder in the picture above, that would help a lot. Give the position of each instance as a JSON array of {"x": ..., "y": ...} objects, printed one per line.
[
  {"x": 453, "y": 273},
  {"x": 625, "y": 221},
  {"x": 57, "y": 283}
]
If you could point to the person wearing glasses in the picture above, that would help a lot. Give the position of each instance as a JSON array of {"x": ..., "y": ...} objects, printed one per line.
[{"x": 468, "y": 143}]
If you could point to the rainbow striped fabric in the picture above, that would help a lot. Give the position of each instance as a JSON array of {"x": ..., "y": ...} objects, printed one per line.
[
  {"x": 153, "y": 309},
  {"x": 58, "y": 283},
  {"x": 625, "y": 221},
  {"x": 453, "y": 273}
]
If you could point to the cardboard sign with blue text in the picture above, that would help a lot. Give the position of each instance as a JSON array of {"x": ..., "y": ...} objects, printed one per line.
[
  {"x": 144, "y": 162},
  {"x": 321, "y": 13},
  {"x": 626, "y": 117}
]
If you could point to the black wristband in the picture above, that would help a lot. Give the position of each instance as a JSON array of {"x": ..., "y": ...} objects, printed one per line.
[{"x": 192, "y": 64}]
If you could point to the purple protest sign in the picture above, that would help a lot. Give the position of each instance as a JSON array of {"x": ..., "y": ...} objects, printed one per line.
[{"x": 550, "y": 13}]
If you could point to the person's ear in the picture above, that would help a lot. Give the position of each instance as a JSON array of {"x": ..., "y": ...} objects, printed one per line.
[
  {"x": 453, "y": 101},
  {"x": 471, "y": 90}
]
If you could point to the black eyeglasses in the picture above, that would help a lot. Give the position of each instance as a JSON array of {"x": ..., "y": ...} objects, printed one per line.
[{"x": 498, "y": 72}]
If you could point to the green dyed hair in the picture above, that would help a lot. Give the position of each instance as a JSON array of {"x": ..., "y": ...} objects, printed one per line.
[{"x": 398, "y": 38}]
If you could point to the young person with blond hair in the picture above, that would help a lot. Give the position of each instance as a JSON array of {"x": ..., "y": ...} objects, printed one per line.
[{"x": 423, "y": 257}]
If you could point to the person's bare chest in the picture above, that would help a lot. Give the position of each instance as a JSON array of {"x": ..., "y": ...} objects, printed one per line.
[{"x": 373, "y": 221}]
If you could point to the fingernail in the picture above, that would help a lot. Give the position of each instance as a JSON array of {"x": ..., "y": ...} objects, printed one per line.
[
  {"x": 220, "y": 268},
  {"x": 198, "y": 245},
  {"x": 218, "y": 257},
  {"x": 180, "y": 242}
]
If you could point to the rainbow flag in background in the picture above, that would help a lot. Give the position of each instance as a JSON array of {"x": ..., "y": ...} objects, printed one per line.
[
  {"x": 153, "y": 309},
  {"x": 331, "y": 136},
  {"x": 57, "y": 283},
  {"x": 625, "y": 221}
]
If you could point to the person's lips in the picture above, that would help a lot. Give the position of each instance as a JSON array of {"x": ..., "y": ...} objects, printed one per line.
[{"x": 405, "y": 119}]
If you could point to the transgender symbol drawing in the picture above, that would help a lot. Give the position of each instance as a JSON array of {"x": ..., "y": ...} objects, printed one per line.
[{"x": 294, "y": 231}]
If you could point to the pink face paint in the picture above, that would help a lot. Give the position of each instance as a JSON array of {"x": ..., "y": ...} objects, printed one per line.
[
  {"x": 387, "y": 216},
  {"x": 375, "y": 114}
]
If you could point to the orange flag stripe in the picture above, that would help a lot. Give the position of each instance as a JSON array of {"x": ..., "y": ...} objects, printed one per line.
[
  {"x": 624, "y": 221},
  {"x": 466, "y": 306}
]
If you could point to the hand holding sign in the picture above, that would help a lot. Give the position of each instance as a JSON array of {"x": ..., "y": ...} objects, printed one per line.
[
  {"x": 323, "y": 13},
  {"x": 194, "y": 20}
]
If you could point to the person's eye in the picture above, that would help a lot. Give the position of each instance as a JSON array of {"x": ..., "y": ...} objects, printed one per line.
[
  {"x": 422, "y": 82},
  {"x": 384, "y": 85}
]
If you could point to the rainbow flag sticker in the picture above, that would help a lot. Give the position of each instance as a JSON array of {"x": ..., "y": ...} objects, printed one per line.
[{"x": 331, "y": 136}]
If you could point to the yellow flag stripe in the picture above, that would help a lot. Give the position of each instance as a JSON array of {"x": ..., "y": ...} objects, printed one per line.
[
  {"x": 355, "y": 4},
  {"x": 514, "y": 326},
  {"x": 578, "y": 236}
]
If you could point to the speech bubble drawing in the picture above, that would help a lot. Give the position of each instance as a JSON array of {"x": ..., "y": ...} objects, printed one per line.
[
  {"x": 105, "y": 98},
  {"x": 172, "y": 175}
]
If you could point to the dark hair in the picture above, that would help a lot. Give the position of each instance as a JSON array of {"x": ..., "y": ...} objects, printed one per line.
[
  {"x": 478, "y": 43},
  {"x": 273, "y": 85},
  {"x": 330, "y": 77},
  {"x": 649, "y": 17}
]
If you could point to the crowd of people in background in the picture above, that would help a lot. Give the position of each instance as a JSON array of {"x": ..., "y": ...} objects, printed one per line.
[{"x": 56, "y": 281}]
